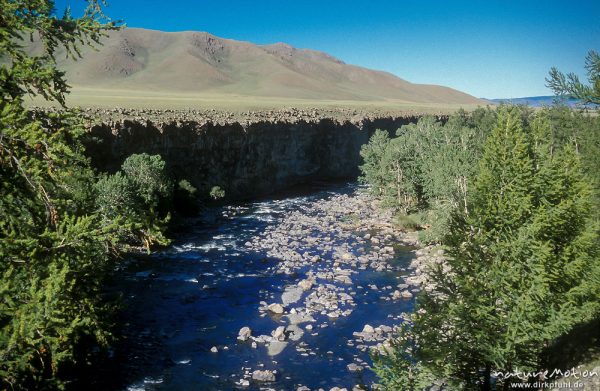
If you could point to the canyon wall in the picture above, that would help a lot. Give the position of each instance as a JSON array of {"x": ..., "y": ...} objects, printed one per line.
[{"x": 246, "y": 160}]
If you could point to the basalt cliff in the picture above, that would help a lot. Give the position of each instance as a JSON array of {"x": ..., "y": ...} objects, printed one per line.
[{"x": 247, "y": 156}]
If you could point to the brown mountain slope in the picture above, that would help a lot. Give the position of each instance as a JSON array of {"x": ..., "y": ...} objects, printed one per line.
[{"x": 198, "y": 62}]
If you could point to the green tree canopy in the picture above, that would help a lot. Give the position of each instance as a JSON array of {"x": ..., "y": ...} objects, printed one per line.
[{"x": 427, "y": 168}]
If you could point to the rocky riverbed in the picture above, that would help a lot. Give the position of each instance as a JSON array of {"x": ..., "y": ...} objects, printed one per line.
[{"x": 288, "y": 293}]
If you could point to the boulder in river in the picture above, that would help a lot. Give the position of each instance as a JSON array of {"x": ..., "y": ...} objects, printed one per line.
[
  {"x": 354, "y": 367},
  {"x": 276, "y": 347},
  {"x": 344, "y": 279},
  {"x": 276, "y": 308},
  {"x": 263, "y": 376},
  {"x": 294, "y": 332},
  {"x": 300, "y": 318},
  {"x": 407, "y": 295},
  {"x": 279, "y": 333},
  {"x": 368, "y": 329},
  {"x": 244, "y": 333},
  {"x": 291, "y": 295},
  {"x": 305, "y": 285}
]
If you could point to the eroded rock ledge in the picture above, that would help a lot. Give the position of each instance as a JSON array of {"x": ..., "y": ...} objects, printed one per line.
[{"x": 247, "y": 156}]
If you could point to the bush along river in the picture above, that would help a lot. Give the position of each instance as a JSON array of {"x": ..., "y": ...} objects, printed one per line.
[{"x": 287, "y": 294}]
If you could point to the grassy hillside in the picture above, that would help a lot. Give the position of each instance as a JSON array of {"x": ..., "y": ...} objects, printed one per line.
[{"x": 179, "y": 69}]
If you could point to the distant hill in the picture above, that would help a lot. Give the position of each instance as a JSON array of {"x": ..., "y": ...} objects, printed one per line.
[
  {"x": 537, "y": 101},
  {"x": 198, "y": 62}
]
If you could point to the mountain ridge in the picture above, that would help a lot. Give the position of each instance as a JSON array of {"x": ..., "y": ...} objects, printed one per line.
[{"x": 200, "y": 62}]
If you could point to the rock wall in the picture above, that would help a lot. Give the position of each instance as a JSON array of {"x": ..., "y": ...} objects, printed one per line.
[{"x": 246, "y": 160}]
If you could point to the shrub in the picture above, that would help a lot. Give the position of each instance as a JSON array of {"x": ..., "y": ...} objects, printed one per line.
[
  {"x": 216, "y": 193},
  {"x": 133, "y": 197}
]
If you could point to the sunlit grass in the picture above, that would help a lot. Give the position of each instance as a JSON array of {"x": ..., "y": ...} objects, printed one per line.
[{"x": 107, "y": 98}]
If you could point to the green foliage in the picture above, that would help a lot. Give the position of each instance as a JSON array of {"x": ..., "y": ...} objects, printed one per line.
[
  {"x": 522, "y": 262},
  {"x": 583, "y": 131},
  {"x": 436, "y": 221},
  {"x": 395, "y": 367},
  {"x": 149, "y": 177},
  {"x": 373, "y": 173},
  {"x": 570, "y": 84},
  {"x": 54, "y": 250},
  {"x": 216, "y": 193},
  {"x": 25, "y": 73},
  {"x": 132, "y": 198},
  {"x": 392, "y": 166},
  {"x": 406, "y": 222},
  {"x": 186, "y": 187},
  {"x": 428, "y": 166}
]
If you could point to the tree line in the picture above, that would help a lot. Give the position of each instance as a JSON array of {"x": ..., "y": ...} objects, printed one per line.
[{"x": 512, "y": 196}]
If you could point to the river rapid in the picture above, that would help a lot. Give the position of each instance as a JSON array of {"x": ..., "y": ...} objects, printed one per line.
[{"x": 327, "y": 257}]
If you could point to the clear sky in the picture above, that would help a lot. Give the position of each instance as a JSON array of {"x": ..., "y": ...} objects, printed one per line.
[{"x": 488, "y": 48}]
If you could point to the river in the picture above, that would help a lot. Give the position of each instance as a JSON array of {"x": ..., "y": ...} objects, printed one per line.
[{"x": 198, "y": 293}]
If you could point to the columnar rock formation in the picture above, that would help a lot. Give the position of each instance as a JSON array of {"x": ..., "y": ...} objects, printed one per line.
[{"x": 246, "y": 159}]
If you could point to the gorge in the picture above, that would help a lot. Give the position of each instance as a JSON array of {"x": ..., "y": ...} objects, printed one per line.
[
  {"x": 314, "y": 278},
  {"x": 246, "y": 157}
]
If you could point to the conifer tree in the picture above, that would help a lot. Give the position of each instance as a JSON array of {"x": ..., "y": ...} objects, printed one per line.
[
  {"x": 522, "y": 265},
  {"x": 53, "y": 247},
  {"x": 570, "y": 85}
]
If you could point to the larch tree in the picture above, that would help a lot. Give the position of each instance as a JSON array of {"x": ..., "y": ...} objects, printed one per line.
[
  {"x": 570, "y": 85},
  {"x": 54, "y": 248}
]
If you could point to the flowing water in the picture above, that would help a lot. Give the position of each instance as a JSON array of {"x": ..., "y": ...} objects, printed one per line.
[{"x": 199, "y": 292}]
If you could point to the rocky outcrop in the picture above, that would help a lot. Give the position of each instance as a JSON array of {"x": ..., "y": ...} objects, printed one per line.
[{"x": 245, "y": 159}]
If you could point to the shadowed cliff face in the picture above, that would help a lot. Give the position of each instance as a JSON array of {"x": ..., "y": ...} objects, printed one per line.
[{"x": 246, "y": 160}]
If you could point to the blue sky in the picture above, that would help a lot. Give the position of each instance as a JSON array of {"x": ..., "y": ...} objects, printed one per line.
[{"x": 492, "y": 49}]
